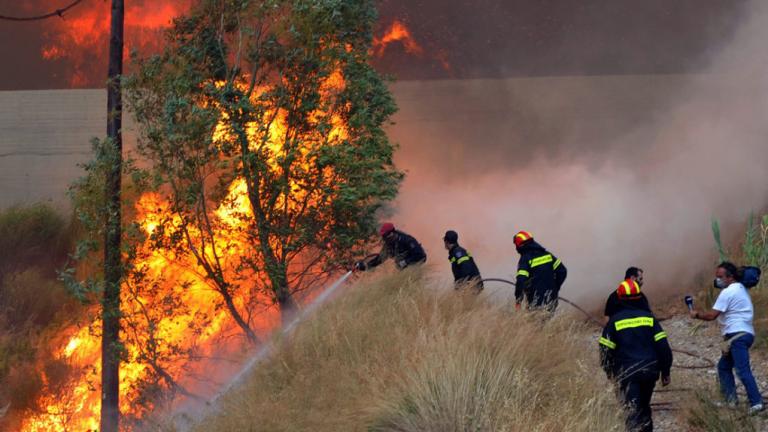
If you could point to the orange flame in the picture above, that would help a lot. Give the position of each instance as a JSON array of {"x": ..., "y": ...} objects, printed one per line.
[
  {"x": 81, "y": 37},
  {"x": 397, "y": 32},
  {"x": 177, "y": 298}
]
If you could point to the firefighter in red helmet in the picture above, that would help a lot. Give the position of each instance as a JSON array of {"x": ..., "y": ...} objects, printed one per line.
[
  {"x": 401, "y": 247},
  {"x": 539, "y": 274}
]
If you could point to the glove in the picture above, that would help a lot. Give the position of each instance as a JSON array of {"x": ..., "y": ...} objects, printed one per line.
[
  {"x": 402, "y": 264},
  {"x": 360, "y": 266}
]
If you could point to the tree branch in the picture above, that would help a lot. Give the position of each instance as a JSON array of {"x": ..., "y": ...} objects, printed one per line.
[{"x": 57, "y": 13}]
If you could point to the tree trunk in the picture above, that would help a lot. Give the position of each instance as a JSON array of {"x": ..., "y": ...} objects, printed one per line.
[
  {"x": 110, "y": 342},
  {"x": 286, "y": 302}
]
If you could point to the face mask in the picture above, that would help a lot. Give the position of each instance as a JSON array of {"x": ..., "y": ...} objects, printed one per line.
[{"x": 720, "y": 284}]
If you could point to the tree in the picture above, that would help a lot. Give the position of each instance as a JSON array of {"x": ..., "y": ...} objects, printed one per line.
[{"x": 263, "y": 124}]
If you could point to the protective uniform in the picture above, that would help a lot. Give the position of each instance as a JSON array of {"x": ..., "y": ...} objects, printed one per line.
[
  {"x": 463, "y": 266},
  {"x": 634, "y": 351},
  {"x": 401, "y": 247},
  {"x": 539, "y": 273}
]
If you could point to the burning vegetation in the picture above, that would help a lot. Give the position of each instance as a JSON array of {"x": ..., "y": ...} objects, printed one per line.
[
  {"x": 81, "y": 39},
  {"x": 397, "y": 32},
  {"x": 261, "y": 167}
]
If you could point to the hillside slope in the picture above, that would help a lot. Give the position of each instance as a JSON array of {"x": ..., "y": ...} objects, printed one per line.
[{"x": 401, "y": 353}]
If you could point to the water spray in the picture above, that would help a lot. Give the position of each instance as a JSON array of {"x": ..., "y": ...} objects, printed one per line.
[{"x": 268, "y": 346}]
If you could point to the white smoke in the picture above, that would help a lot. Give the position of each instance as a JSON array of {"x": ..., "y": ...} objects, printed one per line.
[{"x": 606, "y": 172}]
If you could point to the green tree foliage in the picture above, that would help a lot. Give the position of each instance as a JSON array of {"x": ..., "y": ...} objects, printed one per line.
[{"x": 278, "y": 97}]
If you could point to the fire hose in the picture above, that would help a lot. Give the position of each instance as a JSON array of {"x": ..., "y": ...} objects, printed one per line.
[{"x": 707, "y": 362}]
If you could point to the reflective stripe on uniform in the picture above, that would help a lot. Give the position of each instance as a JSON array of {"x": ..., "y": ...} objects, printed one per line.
[
  {"x": 540, "y": 261},
  {"x": 556, "y": 264},
  {"x": 523, "y": 273},
  {"x": 607, "y": 343},
  {"x": 634, "y": 322},
  {"x": 465, "y": 258},
  {"x": 659, "y": 336}
]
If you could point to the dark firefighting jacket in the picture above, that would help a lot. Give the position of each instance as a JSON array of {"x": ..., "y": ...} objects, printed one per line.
[
  {"x": 633, "y": 342},
  {"x": 539, "y": 275},
  {"x": 462, "y": 265},
  {"x": 401, "y": 247}
]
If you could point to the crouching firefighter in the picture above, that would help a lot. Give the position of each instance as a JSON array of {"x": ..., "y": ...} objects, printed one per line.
[
  {"x": 634, "y": 351},
  {"x": 463, "y": 266},
  {"x": 401, "y": 247},
  {"x": 539, "y": 274}
]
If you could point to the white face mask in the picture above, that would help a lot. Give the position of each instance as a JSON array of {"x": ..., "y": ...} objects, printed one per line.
[{"x": 720, "y": 283}]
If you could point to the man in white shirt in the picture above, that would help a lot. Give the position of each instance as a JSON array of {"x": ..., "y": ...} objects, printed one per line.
[{"x": 733, "y": 310}]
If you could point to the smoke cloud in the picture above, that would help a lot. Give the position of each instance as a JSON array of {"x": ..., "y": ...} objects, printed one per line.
[{"x": 606, "y": 172}]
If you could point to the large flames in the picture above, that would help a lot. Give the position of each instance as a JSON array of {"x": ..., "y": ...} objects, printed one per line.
[
  {"x": 80, "y": 39},
  {"x": 177, "y": 316}
]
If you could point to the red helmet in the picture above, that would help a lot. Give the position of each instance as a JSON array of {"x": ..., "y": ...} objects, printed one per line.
[
  {"x": 628, "y": 289},
  {"x": 522, "y": 238},
  {"x": 386, "y": 228}
]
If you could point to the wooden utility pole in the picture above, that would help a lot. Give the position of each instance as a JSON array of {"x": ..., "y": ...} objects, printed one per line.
[{"x": 110, "y": 342}]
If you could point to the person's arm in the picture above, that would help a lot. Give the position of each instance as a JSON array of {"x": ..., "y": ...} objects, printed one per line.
[
  {"x": 379, "y": 258},
  {"x": 610, "y": 307},
  {"x": 463, "y": 265},
  {"x": 720, "y": 306},
  {"x": 663, "y": 352},
  {"x": 608, "y": 351},
  {"x": 560, "y": 272},
  {"x": 709, "y": 315},
  {"x": 523, "y": 274}
]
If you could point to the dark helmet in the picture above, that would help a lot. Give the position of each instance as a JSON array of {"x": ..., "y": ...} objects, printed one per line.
[{"x": 451, "y": 236}]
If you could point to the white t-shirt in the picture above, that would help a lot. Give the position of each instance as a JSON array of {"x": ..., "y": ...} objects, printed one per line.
[{"x": 735, "y": 307}]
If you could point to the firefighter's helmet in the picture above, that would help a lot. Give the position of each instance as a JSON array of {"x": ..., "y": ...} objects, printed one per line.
[
  {"x": 628, "y": 289},
  {"x": 386, "y": 228},
  {"x": 522, "y": 238}
]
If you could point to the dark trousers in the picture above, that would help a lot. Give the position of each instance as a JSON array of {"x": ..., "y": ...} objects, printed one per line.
[{"x": 637, "y": 391}]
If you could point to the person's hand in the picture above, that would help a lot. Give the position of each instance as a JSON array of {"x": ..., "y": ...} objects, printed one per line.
[
  {"x": 693, "y": 314},
  {"x": 360, "y": 266},
  {"x": 666, "y": 380},
  {"x": 517, "y": 306}
]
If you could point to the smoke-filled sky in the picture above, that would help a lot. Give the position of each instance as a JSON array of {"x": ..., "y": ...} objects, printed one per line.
[
  {"x": 607, "y": 172},
  {"x": 461, "y": 39}
]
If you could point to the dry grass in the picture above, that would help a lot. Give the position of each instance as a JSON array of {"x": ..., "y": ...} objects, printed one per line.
[
  {"x": 396, "y": 354},
  {"x": 34, "y": 241},
  {"x": 702, "y": 415}
]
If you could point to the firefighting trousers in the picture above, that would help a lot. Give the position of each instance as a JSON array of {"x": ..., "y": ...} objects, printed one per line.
[{"x": 637, "y": 391}]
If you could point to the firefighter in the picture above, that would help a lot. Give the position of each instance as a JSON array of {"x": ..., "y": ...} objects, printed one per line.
[
  {"x": 539, "y": 274},
  {"x": 612, "y": 305},
  {"x": 401, "y": 247},
  {"x": 634, "y": 351},
  {"x": 462, "y": 264}
]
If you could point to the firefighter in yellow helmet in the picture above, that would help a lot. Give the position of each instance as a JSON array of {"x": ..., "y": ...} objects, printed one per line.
[
  {"x": 634, "y": 351},
  {"x": 539, "y": 274}
]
